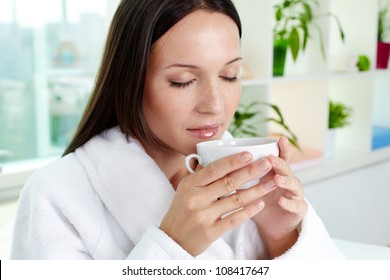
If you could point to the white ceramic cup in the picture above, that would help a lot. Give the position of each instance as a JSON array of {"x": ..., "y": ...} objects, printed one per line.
[{"x": 209, "y": 151}]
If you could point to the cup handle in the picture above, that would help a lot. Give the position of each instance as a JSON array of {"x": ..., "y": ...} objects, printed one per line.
[{"x": 188, "y": 161}]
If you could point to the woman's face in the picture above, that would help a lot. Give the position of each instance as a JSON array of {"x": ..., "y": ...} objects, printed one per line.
[{"x": 192, "y": 87}]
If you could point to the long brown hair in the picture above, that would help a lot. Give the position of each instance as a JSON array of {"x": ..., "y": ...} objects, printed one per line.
[{"x": 119, "y": 88}]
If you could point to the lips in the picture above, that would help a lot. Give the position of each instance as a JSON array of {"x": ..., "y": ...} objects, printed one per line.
[{"x": 205, "y": 132}]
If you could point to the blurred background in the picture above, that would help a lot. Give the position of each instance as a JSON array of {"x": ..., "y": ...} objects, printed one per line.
[{"x": 48, "y": 61}]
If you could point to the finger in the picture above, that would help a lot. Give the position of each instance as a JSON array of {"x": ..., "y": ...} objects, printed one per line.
[
  {"x": 292, "y": 184},
  {"x": 221, "y": 168},
  {"x": 298, "y": 207},
  {"x": 280, "y": 166},
  {"x": 235, "y": 219},
  {"x": 284, "y": 148},
  {"x": 241, "y": 198},
  {"x": 236, "y": 179},
  {"x": 269, "y": 176}
]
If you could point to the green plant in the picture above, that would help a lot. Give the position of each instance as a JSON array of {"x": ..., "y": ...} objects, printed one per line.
[
  {"x": 293, "y": 22},
  {"x": 383, "y": 25},
  {"x": 239, "y": 126},
  {"x": 363, "y": 63},
  {"x": 339, "y": 115}
]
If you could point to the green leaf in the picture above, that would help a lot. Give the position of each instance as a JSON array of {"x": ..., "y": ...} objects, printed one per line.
[
  {"x": 277, "y": 111},
  {"x": 305, "y": 35},
  {"x": 294, "y": 143},
  {"x": 247, "y": 132},
  {"x": 237, "y": 116},
  {"x": 308, "y": 12},
  {"x": 322, "y": 46},
  {"x": 342, "y": 34},
  {"x": 286, "y": 4},
  {"x": 278, "y": 122},
  {"x": 248, "y": 115},
  {"x": 294, "y": 43},
  {"x": 278, "y": 14},
  {"x": 339, "y": 115}
]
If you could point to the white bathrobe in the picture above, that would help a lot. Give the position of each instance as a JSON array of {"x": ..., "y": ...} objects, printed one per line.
[{"x": 106, "y": 201}]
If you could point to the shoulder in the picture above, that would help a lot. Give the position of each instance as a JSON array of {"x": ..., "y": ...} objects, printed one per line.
[
  {"x": 61, "y": 194},
  {"x": 72, "y": 173},
  {"x": 63, "y": 177},
  {"x": 58, "y": 204}
]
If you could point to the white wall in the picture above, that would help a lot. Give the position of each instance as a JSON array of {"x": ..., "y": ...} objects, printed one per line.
[{"x": 356, "y": 205}]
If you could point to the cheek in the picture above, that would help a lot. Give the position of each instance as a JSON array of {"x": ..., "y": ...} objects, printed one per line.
[
  {"x": 151, "y": 107},
  {"x": 233, "y": 100},
  {"x": 162, "y": 108}
]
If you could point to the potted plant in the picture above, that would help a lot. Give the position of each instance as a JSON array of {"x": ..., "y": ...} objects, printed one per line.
[
  {"x": 339, "y": 117},
  {"x": 240, "y": 127},
  {"x": 363, "y": 63},
  {"x": 294, "y": 20},
  {"x": 383, "y": 48}
]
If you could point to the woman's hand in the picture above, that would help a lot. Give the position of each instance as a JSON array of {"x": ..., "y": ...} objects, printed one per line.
[
  {"x": 194, "y": 218},
  {"x": 285, "y": 207}
]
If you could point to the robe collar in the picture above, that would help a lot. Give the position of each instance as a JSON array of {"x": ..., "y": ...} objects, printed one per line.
[{"x": 135, "y": 199}]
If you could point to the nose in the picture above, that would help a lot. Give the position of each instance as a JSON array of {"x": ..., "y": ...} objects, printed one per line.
[{"x": 209, "y": 99}]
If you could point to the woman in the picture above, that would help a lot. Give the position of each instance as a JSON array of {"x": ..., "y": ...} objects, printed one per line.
[{"x": 168, "y": 80}]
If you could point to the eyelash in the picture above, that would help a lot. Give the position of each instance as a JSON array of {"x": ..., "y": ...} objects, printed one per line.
[
  {"x": 183, "y": 85},
  {"x": 229, "y": 79}
]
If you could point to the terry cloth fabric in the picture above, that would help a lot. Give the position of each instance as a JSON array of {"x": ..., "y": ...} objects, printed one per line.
[{"x": 106, "y": 201}]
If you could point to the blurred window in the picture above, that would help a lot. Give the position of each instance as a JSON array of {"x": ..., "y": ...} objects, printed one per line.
[{"x": 49, "y": 54}]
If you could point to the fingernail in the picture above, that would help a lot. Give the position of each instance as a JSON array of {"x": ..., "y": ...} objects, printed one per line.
[
  {"x": 260, "y": 204},
  {"x": 263, "y": 165},
  {"x": 269, "y": 184},
  {"x": 245, "y": 157}
]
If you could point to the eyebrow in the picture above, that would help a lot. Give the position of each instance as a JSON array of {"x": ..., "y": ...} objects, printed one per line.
[{"x": 191, "y": 66}]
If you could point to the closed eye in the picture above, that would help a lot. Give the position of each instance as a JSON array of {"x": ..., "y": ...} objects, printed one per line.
[
  {"x": 180, "y": 85},
  {"x": 229, "y": 79},
  {"x": 186, "y": 84}
]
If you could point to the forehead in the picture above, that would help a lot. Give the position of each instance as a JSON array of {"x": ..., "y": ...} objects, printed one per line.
[{"x": 199, "y": 32}]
